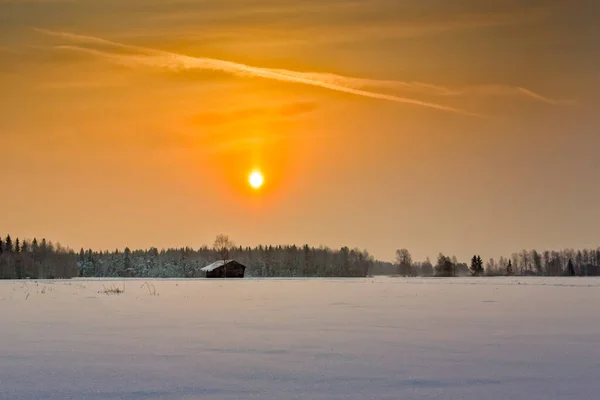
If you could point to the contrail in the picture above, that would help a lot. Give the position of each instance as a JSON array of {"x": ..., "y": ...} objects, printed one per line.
[
  {"x": 165, "y": 59},
  {"x": 352, "y": 85},
  {"x": 504, "y": 90},
  {"x": 541, "y": 98}
]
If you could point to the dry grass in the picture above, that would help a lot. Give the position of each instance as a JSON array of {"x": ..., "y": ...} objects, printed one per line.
[
  {"x": 112, "y": 289},
  {"x": 151, "y": 288}
]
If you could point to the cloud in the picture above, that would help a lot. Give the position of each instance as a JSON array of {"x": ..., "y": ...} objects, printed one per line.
[
  {"x": 504, "y": 90},
  {"x": 135, "y": 56},
  {"x": 437, "y": 90},
  {"x": 541, "y": 98},
  {"x": 162, "y": 59}
]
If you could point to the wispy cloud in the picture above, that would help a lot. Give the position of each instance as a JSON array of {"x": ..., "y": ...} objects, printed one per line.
[
  {"x": 504, "y": 90},
  {"x": 173, "y": 61},
  {"x": 135, "y": 56},
  {"x": 445, "y": 91}
]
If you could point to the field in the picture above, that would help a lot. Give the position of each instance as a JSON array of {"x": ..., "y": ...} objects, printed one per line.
[{"x": 277, "y": 339}]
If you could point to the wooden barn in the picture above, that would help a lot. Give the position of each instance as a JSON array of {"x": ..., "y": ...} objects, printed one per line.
[{"x": 224, "y": 269}]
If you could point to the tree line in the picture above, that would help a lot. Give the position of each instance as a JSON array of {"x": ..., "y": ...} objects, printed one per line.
[
  {"x": 45, "y": 260},
  {"x": 567, "y": 262},
  {"x": 40, "y": 261},
  {"x": 36, "y": 260}
]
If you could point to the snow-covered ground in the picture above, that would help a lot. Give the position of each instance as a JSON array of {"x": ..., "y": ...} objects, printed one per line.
[{"x": 376, "y": 338}]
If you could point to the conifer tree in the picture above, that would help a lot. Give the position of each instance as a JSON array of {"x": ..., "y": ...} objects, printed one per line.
[
  {"x": 570, "y": 268},
  {"x": 8, "y": 244},
  {"x": 127, "y": 261}
]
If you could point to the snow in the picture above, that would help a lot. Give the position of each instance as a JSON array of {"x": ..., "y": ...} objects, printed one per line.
[{"x": 375, "y": 338}]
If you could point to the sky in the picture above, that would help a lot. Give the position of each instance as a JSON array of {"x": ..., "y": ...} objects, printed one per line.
[{"x": 437, "y": 126}]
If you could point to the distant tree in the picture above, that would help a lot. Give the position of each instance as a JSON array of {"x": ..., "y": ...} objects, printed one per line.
[
  {"x": 18, "y": 261},
  {"x": 426, "y": 268},
  {"x": 514, "y": 262},
  {"x": 536, "y": 259},
  {"x": 8, "y": 245},
  {"x": 222, "y": 245},
  {"x": 81, "y": 262},
  {"x": 445, "y": 266},
  {"x": 404, "y": 262},
  {"x": 127, "y": 265},
  {"x": 454, "y": 261},
  {"x": 2, "y": 272},
  {"x": 491, "y": 267},
  {"x": 525, "y": 261},
  {"x": 183, "y": 264},
  {"x": 509, "y": 268},
  {"x": 570, "y": 268},
  {"x": 476, "y": 266},
  {"x": 555, "y": 266}
]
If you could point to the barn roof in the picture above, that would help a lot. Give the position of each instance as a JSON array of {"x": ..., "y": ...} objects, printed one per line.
[{"x": 215, "y": 265}]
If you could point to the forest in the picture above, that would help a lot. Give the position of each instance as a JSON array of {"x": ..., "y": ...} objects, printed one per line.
[
  {"x": 33, "y": 259},
  {"x": 28, "y": 259},
  {"x": 567, "y": 262}
]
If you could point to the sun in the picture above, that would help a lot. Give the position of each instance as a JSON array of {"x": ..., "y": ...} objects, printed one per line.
[{"x": 255, "y": 179}]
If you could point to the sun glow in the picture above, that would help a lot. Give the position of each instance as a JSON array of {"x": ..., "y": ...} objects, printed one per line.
[{"x": 255, "y": 179}]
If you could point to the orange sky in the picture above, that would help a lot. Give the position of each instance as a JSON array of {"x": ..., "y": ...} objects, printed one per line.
[{"x": 379, "y": 124}]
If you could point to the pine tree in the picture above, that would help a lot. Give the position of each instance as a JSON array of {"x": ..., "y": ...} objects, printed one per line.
[
  {"x": 476, "y": 266},
  {"x": 18, "y": 261},
  {"x": 570, "y": 268},
  {"x": 479, "y": 265},
  {"x": 127, "y": 262},
  {"x": 1, "y": 246},
  {"x": 509, "y": 268},
  {"x": 8, "y": 244}
]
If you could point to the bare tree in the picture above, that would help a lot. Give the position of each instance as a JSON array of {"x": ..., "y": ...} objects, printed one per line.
[
  {"x": 404, "y": 261},
  {"x": 490, "y": 267},
  {"x": 525, "y": 261},
  {"x": 536, "y": 259},
  {"x": 222, "y": 245}
]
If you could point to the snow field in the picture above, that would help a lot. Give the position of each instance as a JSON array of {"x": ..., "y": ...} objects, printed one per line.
[{"x": 375, "y": 338}]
